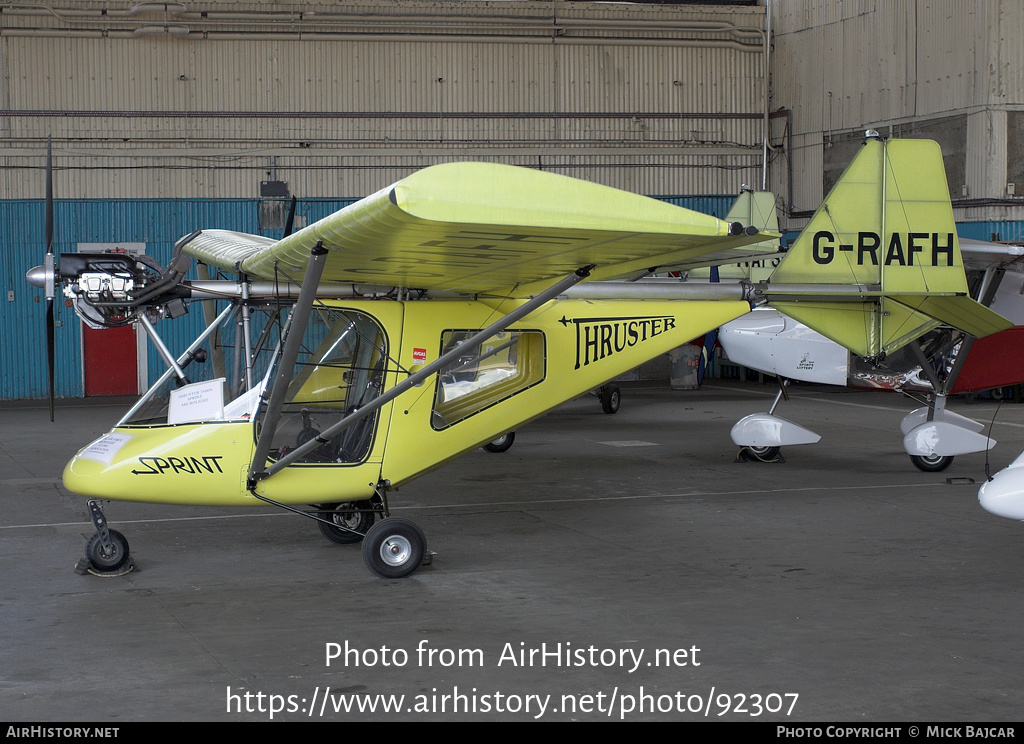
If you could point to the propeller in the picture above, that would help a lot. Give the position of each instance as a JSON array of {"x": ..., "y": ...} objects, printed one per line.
[
  {"x": 50, "y": 265},
  {"x": 45, "y": 277}
]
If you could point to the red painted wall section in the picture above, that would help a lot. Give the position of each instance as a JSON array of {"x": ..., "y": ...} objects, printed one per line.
[
  {"x": 110, "y": 361},
  {"x": 994, "y": 361}
]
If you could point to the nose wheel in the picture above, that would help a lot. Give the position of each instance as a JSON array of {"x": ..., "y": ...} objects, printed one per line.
[
  {"x": 106, "y": 552},
  {"x": 110, "y": 557}
]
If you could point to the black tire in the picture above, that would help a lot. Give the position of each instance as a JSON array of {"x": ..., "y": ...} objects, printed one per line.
[
  {"x": 611, "y": 398},
  {"x": 105, "y": 560},
  {"x": 764, "y": 454},
  {"x": 931, "y": 463},
  {"x": 347, "y": 515},
  {"x": 502, "y": 443},
  {"x": 394, "y": 548}
]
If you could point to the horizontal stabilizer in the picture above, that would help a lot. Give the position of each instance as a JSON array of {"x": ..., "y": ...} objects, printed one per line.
[
  {"x": 755, "y": 208},
  {"x": 959, "y": 312}
]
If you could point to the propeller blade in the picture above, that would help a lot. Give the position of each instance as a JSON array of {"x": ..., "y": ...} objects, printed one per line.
[
  {"x": 49, "y": 197},
  {"x": 50, "y": 342},
  {"x": 51, "y": 275}
]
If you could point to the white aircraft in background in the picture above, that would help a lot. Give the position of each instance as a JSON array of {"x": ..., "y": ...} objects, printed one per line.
[{"x": 939, "y": 364}]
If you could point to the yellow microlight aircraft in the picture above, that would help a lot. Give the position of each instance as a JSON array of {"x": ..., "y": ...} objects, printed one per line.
[{"x": 451, "y": 307}]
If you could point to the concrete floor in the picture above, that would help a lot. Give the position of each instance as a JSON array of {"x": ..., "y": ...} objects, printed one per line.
[{"x": 841, "y": 585}]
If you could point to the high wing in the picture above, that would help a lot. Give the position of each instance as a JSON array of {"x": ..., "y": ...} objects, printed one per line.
[{"x": 490, "y": 229}]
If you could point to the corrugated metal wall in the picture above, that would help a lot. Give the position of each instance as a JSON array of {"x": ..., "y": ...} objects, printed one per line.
[
  {"x": 368, "y": 86},
  {"x": 897, "y": 66},
  {"x": 192, "y": 110}
]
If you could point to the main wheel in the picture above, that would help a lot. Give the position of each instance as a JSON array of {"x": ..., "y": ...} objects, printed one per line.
[
  {"x": 764, "y": 454},
  {"x": 349, "y": 515},
  {"x": 394, "y": 548},
  {"x": 611, "y": 397},
  {"x": 932, "y": 463},
  {"x": 502, "y": 443},
  {"x": 107, "y": 560}
]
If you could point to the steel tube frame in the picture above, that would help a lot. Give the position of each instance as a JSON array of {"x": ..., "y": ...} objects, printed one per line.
[{"x": 224, "y": 315}]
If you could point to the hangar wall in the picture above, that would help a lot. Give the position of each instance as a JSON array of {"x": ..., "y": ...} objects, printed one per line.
[
  {"x": 943, "y": 69},
  {"x": 166, "y": 117},
  {"x": 340, "y": 99}
]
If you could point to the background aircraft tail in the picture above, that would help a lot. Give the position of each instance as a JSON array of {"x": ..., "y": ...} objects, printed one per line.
[
  {"x": 886, "y": 227},
  {"x": 755, "y": 208}
]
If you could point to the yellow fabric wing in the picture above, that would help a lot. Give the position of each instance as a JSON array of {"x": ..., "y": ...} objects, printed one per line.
[{"x": 486, "y": 228}]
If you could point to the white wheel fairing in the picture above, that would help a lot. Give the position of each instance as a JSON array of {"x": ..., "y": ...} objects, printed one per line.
[
  {"x": 1004, "y": 494},
  {"x": 944, "y": 438},
  {"x": 767, "y": 430}
]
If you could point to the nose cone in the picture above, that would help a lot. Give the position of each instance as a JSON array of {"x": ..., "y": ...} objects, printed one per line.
[
  {"x": 36, "y": 276},
  {"x": 1004, "y": 494}
]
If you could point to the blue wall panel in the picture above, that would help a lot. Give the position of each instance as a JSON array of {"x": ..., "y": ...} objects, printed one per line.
[{"x": 1004, "y": 230}]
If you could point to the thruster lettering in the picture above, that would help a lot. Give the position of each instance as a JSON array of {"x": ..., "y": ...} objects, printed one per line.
[{"x": 599, "y": 338}]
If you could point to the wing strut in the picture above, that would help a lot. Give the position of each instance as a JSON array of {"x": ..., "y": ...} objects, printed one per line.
[
  {"x": 290, "y": 352},
  {"x": 263, "y": 446},
  {"x": 163, "y": 350}
]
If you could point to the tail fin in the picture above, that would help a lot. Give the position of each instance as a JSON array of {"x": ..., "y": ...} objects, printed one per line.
[
  {"x": 755, "y": 208},
  {"x": 887, "y": 224}
]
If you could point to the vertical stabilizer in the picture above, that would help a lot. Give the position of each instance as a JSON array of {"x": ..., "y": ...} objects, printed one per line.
[
  {"x": 755, "y": 208},
  {"x": 887, "y": 225}
]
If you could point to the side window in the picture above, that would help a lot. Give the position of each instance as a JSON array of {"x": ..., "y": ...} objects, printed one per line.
[{"x": 505, "y": 364}]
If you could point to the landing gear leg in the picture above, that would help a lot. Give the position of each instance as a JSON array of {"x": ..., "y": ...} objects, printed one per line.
[
  {"x": 392, "y": 548},
  {"x": 106, "y": 553}
]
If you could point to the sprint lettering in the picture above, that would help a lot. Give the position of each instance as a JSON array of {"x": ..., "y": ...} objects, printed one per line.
[
  {"x": 902, "y": 249},
  {"x": 189, "y": 465}
]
